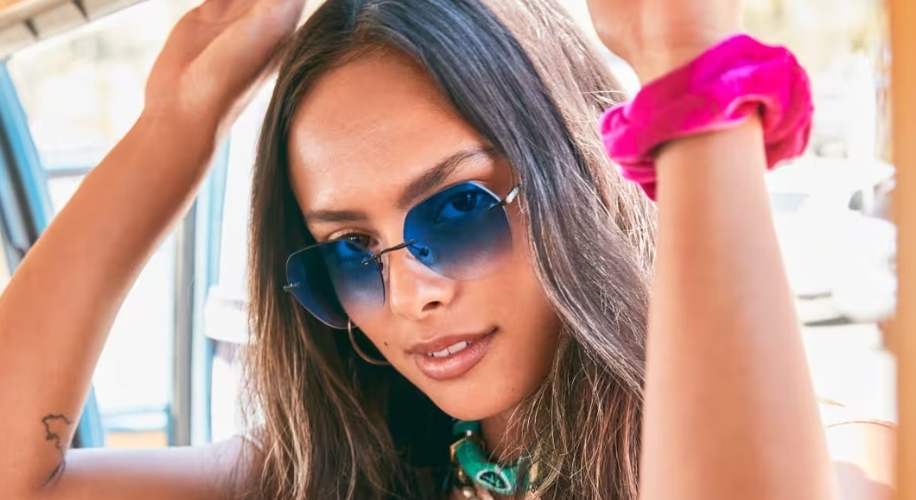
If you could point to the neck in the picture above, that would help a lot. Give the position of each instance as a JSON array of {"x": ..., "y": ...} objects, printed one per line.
[{"x": 499, "y": 444}]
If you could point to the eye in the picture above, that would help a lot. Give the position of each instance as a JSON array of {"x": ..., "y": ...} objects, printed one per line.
[
  {"x": 350, "y": 255},
  {"x": 365, "y": 243},
  {"x": 461, "y": 205},
  {"x": 362, "y": 240}
]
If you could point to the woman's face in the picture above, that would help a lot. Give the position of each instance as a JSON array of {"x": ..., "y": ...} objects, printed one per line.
[{"x": 373, "y": 138}]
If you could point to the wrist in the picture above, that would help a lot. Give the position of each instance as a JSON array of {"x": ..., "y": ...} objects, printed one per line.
[
  {"x": 650, "y": 67},
  {"x": 738, "y": 78},
  {"x": 175, "y": 135},
  {"x": 651, "y": 63}
]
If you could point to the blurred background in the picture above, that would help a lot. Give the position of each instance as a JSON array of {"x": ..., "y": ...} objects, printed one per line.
[{"x": 169, "y": 372}]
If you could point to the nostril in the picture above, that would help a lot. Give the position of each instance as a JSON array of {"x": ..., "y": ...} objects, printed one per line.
[{"x": 431, "y": 306}]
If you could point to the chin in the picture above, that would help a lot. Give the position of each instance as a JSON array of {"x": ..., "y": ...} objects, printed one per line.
[
  {"x": 475, "y": 401},
  {"x": 467, "y": 412}
]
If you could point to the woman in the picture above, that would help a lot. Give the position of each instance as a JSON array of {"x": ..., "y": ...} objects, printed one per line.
[{"x": 437, "y": 233}]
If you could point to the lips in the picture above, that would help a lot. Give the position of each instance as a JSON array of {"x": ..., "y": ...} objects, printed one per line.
[{"x": 451, "y": 356}]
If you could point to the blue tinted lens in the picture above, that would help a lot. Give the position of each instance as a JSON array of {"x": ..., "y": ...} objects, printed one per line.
[
  {"x": 335, "y": 281},
  {"x": 460, "y": 232}
]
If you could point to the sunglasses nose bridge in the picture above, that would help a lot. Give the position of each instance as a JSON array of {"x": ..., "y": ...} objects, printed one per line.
[
  {"x": 419, "y": 254},
  {"x": 413, "y": 288},
  {"x": 378, "y": 256}
]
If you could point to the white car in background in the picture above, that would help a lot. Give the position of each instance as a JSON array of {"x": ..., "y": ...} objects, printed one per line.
[{"x": 839, "y": 256}]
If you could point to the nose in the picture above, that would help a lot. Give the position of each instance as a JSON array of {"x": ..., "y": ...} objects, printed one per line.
[{"x": 415, "y": 291}]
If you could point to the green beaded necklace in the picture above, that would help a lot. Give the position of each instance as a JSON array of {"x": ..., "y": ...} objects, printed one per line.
[{"x": 472, "y": 464}]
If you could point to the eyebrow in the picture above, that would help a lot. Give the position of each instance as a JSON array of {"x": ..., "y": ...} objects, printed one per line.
[
  {"x": 417, "y": 188},
  {"x": 437, "y": 175}
]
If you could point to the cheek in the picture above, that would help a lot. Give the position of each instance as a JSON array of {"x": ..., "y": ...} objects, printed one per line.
[
  {"x": 535, "y": 326},
  {"x": 532, "y": 325},
  {"x": 380, "y": 332},
  {"x": 522, "y": 269}
]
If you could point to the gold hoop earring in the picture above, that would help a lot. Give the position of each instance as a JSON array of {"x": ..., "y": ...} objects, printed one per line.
[{"x": 359, "y": 351}]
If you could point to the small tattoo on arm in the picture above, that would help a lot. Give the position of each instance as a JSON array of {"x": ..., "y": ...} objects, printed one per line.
[{"x": 54, "y": 432}]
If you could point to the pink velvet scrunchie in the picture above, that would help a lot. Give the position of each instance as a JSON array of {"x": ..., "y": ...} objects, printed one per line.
[{"x": 716, "y": 91}]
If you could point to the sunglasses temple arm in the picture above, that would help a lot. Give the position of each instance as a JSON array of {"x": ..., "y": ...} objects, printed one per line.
[{"x": 509, "y": 197}]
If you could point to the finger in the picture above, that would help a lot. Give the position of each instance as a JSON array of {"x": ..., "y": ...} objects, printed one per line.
[
  {"x": 263, "y": 29},
  {"x": 190, "y": 36},
  {"x": 224, "y": 11},
  {"x": 286, "y": 14},
  {"x": 248, "y": 47},
  {"x": 201, "y": 26}
]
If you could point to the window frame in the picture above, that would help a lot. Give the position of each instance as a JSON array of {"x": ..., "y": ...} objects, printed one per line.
[
  {"x": 4, "y": 266},
  {"x": 199, "y": 237}
]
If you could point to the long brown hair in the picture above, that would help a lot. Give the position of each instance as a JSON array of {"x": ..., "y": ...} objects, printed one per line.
[{"x": 521, "y": 73}]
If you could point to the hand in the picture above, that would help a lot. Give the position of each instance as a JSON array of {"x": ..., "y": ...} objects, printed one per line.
[
  {"x": 216, "y": 57},
  {"x": 657, "y": 36}
]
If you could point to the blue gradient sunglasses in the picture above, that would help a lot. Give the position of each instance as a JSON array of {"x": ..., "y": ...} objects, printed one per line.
[{"x": 461, "y": 232}]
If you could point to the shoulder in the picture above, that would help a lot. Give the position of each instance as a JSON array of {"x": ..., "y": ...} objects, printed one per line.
[{"x": 863, "y": 452}]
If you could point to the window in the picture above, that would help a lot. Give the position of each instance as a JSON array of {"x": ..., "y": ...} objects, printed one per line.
[
  {"x": 786, "y": 203},
  {"x": 226, "y": 321},
  {"x": 845, "y": 54},
  {"x": 837, "y": 243},
  {"x": 81, "y": 92}
]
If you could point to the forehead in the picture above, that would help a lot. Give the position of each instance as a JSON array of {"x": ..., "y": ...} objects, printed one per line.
[{"x": 369, "y": 127}]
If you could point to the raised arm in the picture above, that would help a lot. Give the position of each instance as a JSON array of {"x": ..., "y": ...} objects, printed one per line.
[
  {"x": 730, "y": 408},
  {"x": 57, "y": 309},
  {"x": 731, "y": 411}
]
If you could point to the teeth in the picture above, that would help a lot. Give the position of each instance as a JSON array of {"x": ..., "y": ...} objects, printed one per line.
[{"x": 460, "y": 346}]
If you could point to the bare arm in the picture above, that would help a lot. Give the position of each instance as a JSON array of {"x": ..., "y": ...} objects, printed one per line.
[
  {"x": 213, "y": 472},
  {"x": 730, "y": 410},
  {"x": 56, "y": 311}
]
